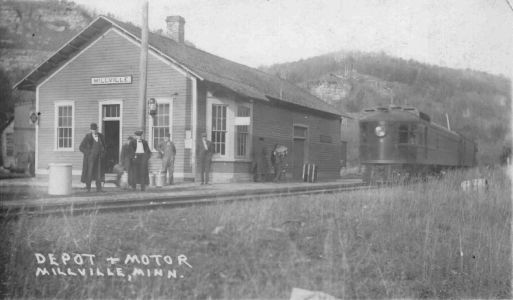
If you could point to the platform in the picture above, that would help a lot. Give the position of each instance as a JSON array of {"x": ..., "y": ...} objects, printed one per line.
[{"x": 33, "y": 192}]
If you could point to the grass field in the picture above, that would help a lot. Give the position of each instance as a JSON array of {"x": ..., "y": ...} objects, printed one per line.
[{"x": 427, "y": 240}]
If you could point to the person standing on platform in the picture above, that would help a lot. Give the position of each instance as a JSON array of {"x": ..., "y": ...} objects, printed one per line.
[
  {"x": 167, "y": 152},
  {"x": 93, "y": 165},
  {"x": 278, "y": 160},
  {"x": 139, "y": 166},
  {"x": 205, "y": 152},
  {"x": 259, "y": 164},
  {"x": 126, "y": 156}
]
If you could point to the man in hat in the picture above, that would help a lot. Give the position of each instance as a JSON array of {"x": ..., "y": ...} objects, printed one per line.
[
  {"x": 259, "y": 163},
  {"x": 139, "y": 173},
  {"x": 205, "y": 150},
  {"x": 93, "y": 165},
  {"x": 167, "y": 152}
]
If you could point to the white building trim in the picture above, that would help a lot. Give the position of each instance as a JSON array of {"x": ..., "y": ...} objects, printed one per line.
[
  {"x": 231, "y": 134},
  {"x": 161, "y": 100},
  {"x": 103, "y": 102}
]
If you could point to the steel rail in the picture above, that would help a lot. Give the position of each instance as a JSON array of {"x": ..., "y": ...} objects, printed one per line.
[{"x": 169, "y": 201}]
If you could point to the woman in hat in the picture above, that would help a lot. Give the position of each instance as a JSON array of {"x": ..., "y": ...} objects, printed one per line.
[{"x": 93, "y": 165}]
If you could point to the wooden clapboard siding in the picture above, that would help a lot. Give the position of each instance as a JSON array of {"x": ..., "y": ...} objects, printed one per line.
[
  {"x": 111, "y": 55},
  {"x": 275, "y": 123}
]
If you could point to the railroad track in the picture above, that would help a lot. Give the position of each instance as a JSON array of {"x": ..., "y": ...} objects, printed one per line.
[{"x": 167, "y": 201}]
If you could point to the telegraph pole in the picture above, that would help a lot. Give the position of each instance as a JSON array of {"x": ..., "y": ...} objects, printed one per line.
[{"x": 143, "y": 69}]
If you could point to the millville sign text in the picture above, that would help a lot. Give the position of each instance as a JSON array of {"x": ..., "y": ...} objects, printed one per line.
[{"x": 111, "y": 80}]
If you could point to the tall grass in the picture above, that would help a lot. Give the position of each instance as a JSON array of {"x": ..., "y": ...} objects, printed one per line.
[{"x": 428, "y": 240}]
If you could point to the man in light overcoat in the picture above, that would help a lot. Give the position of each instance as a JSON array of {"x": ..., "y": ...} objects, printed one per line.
[
  {"x": 167, "y": 152},
  {"x": 93, "y": 165}
]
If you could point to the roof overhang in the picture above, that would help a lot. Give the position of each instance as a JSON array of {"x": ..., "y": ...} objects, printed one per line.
[{"x": 95, "y": 29}]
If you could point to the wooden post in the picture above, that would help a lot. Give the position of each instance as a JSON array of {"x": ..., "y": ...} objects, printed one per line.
[{"x": 143, "y": 69}]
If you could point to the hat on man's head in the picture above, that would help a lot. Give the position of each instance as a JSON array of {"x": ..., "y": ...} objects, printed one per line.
[
  {"x": 261, "y": 139},
  {"x": 204, "y": 134},
  {"x": 130, "y": 138},
  {"x": 94, "y": 126},
  {"x": 167, "y": 135},
  {"x": 138, "y": 132}
]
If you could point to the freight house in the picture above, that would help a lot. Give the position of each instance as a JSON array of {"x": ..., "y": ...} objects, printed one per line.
[{"x": 94, "y": 78}]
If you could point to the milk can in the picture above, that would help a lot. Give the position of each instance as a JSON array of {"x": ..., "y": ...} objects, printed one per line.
[
  {"x": 160, "y": 180},
  {"x": 152, "y": 179}
]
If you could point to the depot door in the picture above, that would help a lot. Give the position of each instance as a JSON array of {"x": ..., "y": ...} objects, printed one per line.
[
  {"x": 111, "y": 129},
  {"x": 299, "y": 151}
]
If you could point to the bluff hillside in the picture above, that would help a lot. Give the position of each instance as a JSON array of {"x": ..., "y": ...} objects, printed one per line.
[
  {"x": 29, "y": 32},
  {"x": 478, "y": 104}
]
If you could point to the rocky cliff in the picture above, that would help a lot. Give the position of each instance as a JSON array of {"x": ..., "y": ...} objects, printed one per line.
[{"x": 31, "y": 30}]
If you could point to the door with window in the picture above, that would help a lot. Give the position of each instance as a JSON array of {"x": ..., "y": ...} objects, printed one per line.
[{"x": 111, "y": 127}]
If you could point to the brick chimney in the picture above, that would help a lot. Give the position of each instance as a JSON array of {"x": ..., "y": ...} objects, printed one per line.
[{"x": 175, "y": 28}]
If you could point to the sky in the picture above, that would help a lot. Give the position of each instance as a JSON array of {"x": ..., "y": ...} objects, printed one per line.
[{"x": 475, "y": 34}]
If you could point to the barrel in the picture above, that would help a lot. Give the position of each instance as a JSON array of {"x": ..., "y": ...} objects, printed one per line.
[{"x": 59, "y": 179}]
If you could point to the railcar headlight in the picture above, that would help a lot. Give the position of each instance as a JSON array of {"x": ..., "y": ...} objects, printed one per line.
[{"x": 380, "y": 131}]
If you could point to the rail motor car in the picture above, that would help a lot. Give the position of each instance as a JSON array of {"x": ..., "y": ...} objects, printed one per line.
[{"x": 399, "y": 142}]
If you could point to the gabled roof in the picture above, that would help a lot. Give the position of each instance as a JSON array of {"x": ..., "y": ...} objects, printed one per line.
[{"x": 245, "y": 81}]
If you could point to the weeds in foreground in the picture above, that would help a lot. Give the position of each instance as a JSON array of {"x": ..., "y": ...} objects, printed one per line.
[{"x": 427, "y": 240}]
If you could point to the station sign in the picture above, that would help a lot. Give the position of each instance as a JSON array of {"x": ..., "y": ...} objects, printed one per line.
[{"x": 112, "y": 80}]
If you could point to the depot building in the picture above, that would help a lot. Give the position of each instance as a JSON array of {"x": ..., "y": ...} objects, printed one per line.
[{"x": 94, "y": 78}]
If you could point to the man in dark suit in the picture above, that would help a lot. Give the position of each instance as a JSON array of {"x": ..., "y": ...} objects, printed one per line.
[
  {"x": 141, "y": 153},
  {"x": 259, "y": 164},
  {"x": 126, "y": 154},
  {"x": 93, "y": 165},
  {"x": 205, "y": 150}
]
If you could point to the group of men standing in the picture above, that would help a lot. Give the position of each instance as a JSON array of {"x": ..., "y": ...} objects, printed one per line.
[
  {"x": 259, "y": 164},
  {"x": 134, "y": 158},
  {"x": 136, "y": 153}
]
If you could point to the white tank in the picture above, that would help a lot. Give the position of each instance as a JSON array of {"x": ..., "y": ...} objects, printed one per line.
[{"x": 59, "y": 180}]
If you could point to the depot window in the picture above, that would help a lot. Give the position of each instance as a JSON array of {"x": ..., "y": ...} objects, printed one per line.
[
  {"x": 64, "y": 125},
  {"x": 229, "y": 127}
]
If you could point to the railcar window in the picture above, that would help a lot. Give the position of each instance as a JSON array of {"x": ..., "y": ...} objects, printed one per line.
[
  {"x": 403, "y": 134},
  {"x": 413, "y": 133}
]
